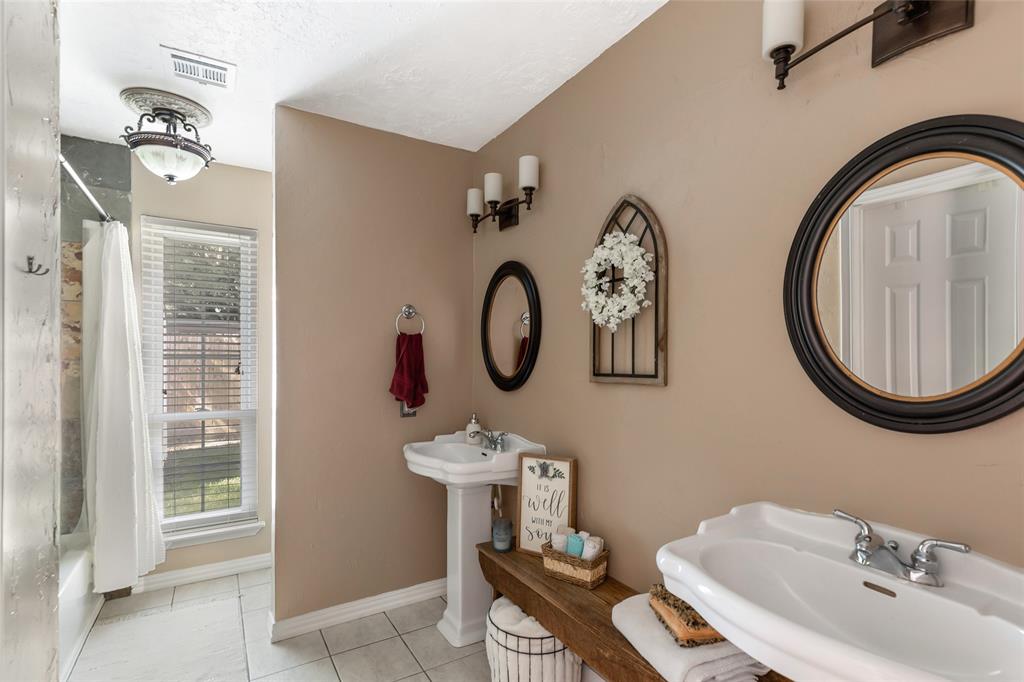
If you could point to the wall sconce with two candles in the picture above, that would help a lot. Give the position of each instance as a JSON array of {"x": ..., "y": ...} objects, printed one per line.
[{"x": 506, "y": 212}]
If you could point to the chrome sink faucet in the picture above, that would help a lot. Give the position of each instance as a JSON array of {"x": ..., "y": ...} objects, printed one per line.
[
  {"x": 494, "y": 441},
  {"x": 871, "y": 550}
]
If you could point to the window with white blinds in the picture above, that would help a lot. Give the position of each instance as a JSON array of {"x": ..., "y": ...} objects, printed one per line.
[{"x": 199, "y": 354}]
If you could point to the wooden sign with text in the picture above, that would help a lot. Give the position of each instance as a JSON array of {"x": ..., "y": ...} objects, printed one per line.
[{"x": 547, "y": 499}]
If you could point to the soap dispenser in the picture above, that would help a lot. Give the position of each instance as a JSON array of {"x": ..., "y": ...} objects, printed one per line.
[{"x": 473, "y": 431}]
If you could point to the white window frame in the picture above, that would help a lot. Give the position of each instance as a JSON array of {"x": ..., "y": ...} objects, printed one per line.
[{"x": 214, "y": 525}]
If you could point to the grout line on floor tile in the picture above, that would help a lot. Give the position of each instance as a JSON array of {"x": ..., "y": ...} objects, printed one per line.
[
  {"x": 315, "y": 660},
  {"x": 328, "y": 656},
  {"x": 213, "y": 596},
  {"x": 174, "y": 594},
  {"x": 431, "y": 625},
  {"x": 334, "y": 665},
  {"x": 458, "y": 658},
  {"x": 411, "y": 653},
  {"x": 327, "y": 648},
  {"x": 245, "y": 643}
]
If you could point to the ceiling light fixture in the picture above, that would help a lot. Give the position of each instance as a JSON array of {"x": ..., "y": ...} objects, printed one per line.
[{"x": 167, "y": 153}]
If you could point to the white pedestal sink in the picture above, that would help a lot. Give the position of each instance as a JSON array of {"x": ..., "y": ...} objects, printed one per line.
[
  {"x": 468, "y": 472},
  {"x": 779, "y": 584}
]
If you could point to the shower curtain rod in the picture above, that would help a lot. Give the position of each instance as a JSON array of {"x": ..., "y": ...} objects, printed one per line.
[{"x": 104, "y": 216}]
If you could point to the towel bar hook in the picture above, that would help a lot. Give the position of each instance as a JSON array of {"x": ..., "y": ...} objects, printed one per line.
[
  {"x": 524, "y": 322},
  {"x": 32, "y": 268},
  {"x": 408, "y": 312}
]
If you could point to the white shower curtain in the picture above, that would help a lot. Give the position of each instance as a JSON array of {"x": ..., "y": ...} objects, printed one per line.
[{"x": 123, "y": 512}]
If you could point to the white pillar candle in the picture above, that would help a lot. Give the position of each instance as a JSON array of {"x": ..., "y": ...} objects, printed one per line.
[
  {"x": 474, "y": 201},
  {"x": 492, "y": 187},
  {"x": 782, "y": 23},
  {"x": 529, "y": 172}
]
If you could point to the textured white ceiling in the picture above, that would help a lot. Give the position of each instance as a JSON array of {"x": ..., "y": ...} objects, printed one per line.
[{"x": 456, "y": 73}]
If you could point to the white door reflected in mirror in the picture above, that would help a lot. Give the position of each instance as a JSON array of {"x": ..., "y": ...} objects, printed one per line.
[
  {"x": 920, "y": 285},
  {"x": 509, "y": 331}
]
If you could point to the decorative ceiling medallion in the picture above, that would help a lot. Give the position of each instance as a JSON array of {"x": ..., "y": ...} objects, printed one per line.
[{"x": 145, "y": 100}]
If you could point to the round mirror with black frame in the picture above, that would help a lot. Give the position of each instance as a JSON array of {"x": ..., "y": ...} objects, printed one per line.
[
  {"x": 510, "y": 325},
  {"x": 904, "y": 289}
]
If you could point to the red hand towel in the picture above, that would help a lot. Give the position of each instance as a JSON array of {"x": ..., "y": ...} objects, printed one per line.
[
  {"x": 524, "y": 344},
  {"x": 409, "y": 384}
]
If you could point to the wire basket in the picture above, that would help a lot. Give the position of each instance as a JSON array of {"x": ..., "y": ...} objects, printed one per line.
[{"x": 517, "y": 658}]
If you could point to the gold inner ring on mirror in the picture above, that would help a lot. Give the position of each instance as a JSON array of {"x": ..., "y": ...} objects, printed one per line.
[{"x": 1017, "y": 351}]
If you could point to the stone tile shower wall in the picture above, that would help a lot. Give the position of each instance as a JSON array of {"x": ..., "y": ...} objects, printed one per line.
[{"x": 106, "y": 170}]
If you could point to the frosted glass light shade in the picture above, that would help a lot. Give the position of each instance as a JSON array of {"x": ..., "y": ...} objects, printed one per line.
[
  {"x": 170, "y": 163},
  {"x": 529, "y": 172},
  {"x": 492, "y": 187},
  {"x": 474, "y": 201},
  {"x": 782, "y": 23}
]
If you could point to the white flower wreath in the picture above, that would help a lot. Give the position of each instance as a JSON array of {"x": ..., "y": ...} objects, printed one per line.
[{"x": 619, "y": 251}]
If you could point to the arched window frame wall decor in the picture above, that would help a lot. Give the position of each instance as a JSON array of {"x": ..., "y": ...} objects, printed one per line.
[{"x": 632, "y": 215}]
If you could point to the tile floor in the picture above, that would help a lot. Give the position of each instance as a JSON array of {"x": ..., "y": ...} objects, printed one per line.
[{"x": 217, "y": 630}]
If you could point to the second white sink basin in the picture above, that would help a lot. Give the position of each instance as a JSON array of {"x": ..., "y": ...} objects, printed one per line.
[
  {"x": 449, "y": 460},
  {"x": 778, "y": 583}
]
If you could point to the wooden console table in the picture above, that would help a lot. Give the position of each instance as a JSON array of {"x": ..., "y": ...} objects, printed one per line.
[{"x": 579, "y": 617}]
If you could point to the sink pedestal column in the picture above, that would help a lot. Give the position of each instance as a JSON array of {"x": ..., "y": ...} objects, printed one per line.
[{"x": 469, "y": 595}]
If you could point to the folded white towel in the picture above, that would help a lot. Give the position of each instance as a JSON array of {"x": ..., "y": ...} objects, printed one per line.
[
  {"x": 735, "y": 668},
  {"x": 565, "y": 530},
  {"x": 558, "y": 541},
  {"x": 592, "y": 546},
  {"x": 721, "y": 662},
  {"x": 744, "y": 675}
]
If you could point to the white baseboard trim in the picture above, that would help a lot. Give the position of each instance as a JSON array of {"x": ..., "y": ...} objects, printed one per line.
[
  {"x": 68, "y": 665},
  {"x": 343, "y": 613},
  {"x": 183, "y": 576}
]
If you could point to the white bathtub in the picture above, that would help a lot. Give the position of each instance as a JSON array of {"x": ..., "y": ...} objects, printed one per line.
[{"x": 79, "y": 606}]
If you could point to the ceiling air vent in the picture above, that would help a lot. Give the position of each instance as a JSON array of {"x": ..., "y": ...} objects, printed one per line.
[{"x": 201, "y": 69}]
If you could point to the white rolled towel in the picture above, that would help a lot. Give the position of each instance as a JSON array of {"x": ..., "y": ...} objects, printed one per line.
[
  {"x": 592, "y": 546},
  {"x": 558, "y": 541},
  {"x": 719, "y": 662}
]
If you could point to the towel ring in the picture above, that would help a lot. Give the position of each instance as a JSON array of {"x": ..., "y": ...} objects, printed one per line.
[
  {"x": 409, "y": 312},
  {"x": 524, "y": 321}
]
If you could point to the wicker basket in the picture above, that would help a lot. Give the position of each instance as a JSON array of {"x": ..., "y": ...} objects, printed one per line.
[{"x": 571, "y": 569}]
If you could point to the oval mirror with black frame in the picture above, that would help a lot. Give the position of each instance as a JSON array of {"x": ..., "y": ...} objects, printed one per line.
[
  {"x": 904, "y": 290},
  {"x": 510, "y": 325}
]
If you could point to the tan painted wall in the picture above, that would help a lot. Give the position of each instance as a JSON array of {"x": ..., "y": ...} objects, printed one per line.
[
  {"x": 683, "y": 112},
  {"x": 366, "y": 222},
  {"x": 241, "y": 197}
]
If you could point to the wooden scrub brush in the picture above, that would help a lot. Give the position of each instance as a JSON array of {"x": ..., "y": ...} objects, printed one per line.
[{"x": 686, "y": 626}]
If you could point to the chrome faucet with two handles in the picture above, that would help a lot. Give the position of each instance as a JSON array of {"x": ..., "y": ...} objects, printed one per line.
[{"x": 871, "y": 550}]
